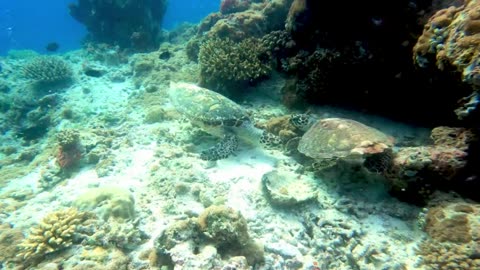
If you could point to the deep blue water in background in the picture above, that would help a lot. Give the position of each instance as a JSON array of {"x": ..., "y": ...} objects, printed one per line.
[{"x": 31, "y": 24}]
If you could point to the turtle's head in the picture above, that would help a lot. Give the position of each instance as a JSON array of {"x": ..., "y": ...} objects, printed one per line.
[{"x": 302, "y": 121}]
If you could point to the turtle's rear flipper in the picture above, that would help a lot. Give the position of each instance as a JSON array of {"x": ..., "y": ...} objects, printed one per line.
[{"x": 221, "y": 150}]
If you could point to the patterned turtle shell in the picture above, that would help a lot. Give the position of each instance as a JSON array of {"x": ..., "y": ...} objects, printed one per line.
[
  {"x": 340, "y": 138},
  {"x": 205, "y": 106}
]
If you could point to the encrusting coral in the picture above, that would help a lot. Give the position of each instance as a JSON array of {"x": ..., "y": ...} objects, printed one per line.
[
  {"x": 56, "y": 231},
  {"x": 454, "y": 238},
  {"x": 47, "y": 69}
]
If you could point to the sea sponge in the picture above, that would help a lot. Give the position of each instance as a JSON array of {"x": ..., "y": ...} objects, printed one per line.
[
  {"x": 56, "y": 231},
  {"x": 47, "y": 69},
  {"x": 108, "y": 202},
  {"x": 223, "y": 60}
]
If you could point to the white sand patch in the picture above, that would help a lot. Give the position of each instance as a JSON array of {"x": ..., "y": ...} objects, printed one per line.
[{"x": 243, "y": 173}]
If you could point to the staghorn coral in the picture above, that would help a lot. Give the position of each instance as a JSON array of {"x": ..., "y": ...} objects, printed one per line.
[
  {"x": 56, "y": 231},
  {"x": 224, "y": 61},
  {"x": 47, "y": 69}
]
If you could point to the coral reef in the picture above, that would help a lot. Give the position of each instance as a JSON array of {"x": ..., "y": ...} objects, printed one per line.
[
  {"x": 47, "y": 69},
  {"x": 56, "y": 231},
  {"x": 196, "y": 242},
  {"x": 450, "y": 40},
  {"x": 127, "y": 23},
  {"x": 69, "y": 148},
  {"x": 296, "y": 14},
  {"x": 418, "y": 171},
  {"x": 9, "y": 239},
  {"x": 108, "y": 202},
  {"x": 223, "y": 62},
  {"x": 449, "y": 256},
  {"x": 240, "y": 19},
  {"x": 232, "y": 6},
  {"x": 454, "y": 237},
  {"x": 122, "y": 235},
  {"x": 450, "y": 36}
]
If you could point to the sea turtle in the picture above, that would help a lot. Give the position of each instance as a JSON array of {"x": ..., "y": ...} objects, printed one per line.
[
  {"x": 218, "y": 116},
  {"x": 331, "y": 139}
]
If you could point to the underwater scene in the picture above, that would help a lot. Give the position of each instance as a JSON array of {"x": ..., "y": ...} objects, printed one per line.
[{"x": 240, "y": 135}]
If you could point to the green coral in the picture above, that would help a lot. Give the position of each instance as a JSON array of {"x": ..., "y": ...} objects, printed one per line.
[
  {"x": 47, "y": 69},
  {"x": 223, "y": 60}
]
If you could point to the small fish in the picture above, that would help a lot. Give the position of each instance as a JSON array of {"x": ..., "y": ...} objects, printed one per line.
[{"x": 52, "y": 46}]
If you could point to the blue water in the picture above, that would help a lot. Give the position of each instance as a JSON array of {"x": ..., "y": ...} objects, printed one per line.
[{"x": 31, "y": 24}]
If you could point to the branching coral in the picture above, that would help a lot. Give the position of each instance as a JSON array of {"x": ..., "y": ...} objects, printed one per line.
[
  {"x": 56, "y": 231},
  {"x": 47, "y": 69},
  {"x": 222, "y": 60}
]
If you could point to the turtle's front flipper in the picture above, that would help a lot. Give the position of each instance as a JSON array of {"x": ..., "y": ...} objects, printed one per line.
[
  {"x": 221, "y": 150},
  {"x": 269, "y": 139}
]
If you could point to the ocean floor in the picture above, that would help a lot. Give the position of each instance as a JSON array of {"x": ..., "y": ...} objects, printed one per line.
[{"x": 135, "y": 143}]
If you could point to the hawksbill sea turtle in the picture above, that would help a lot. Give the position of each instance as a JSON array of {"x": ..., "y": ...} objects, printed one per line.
[
  {"x": 332, "y": 139},
  {"x": 218, "y": 116}
]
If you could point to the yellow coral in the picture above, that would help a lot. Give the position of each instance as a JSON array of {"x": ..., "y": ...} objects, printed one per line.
[{"x": 55, "y": 232}]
